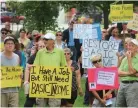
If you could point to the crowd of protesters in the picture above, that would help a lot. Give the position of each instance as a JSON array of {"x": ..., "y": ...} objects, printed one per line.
[{"x": 61, "y": 49}]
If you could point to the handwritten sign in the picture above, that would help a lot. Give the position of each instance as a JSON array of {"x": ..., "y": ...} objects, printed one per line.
[
  {"x": 121, "y": 13},
  {"x": 107, "y": 49},
  {"x": 134, "y": 23},
  {"x": 50, "y": 82},
  {"x": 10, "y": 76},
  {"x": 103, "y": 78},
  {"x": 106, "y": 78},
  {"x": 91, "y": 31}
]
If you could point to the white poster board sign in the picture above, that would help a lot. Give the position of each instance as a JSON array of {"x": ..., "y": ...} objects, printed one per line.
[
  {"x": 91, "y": 31},
  {"x": 106, "y": 78},
  {"x": 107, "y": 49}
]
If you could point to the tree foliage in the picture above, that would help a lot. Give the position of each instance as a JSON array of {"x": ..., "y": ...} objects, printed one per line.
[{"x": 40, "y": 15}]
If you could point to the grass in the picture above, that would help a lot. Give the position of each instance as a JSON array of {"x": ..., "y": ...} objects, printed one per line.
[{"x": 78, "y": 102}]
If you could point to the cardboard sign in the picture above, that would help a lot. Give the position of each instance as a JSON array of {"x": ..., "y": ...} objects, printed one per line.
[
  {"x": 107, "y": 49},
  {"x": 50, "y": 82},
  {"x": 121, "y": 13},
  {"x": 91, "y": 31},
  {"x": 10, "y": 76},
  {"x": 134, "y": 23},
  {"x": 103, "y": 78}
]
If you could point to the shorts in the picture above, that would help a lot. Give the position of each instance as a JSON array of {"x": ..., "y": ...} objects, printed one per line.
[{"x": 70, "y": 101}]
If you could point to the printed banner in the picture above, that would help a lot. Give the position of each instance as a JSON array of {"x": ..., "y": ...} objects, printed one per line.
[
  {"x": 10, "y": 76},
  {"x": 46, "y": 82},
  {"x": 103, "y": 78},
  {"x": 134, "y": 23},
  {"x": 91, "y": 31},
  {"x": 107, "y": 49},
  {"x": 121, "y": 13}
]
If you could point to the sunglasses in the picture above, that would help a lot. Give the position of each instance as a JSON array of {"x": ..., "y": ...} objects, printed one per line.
[
  {"x": 41, "y": 46},
  {"x": 4, "y": 33},
  {"x": 94, "y": 62},
  {"x": 67, "y": 53},
  {"x": 58, "y": 34}
]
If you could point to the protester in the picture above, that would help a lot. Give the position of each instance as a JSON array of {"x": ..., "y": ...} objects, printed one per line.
[
  {"x": 124, "y": 26},
  {"x": 23, "y": 39},
  {"x": 9, "y": 95},
  {"x": 50, "y": 56},
  {"x": 121, "y": 54},
  {"x": 104, "y": 34},
  {"x": 59, "y": 43},
  {"x": 4, "y": 33},
  {"x": 76, "y": 83},
  {"x": 17, "y": 50},
  {"x": 117, "y": 38},
  {"x": 68, "y": 38},
  {"x": 8, "y": 27},
  {"x": 128, "y": 90},
  {"x": 101, "y": 95},
  {"x": 35, "y": 38},
  {"x": 115, "y": 35},
  {"x": 29, "y": 35},
  {"x": 31, "y": 101}
]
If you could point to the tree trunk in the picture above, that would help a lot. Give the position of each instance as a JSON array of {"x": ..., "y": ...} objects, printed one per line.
[{"x": 106, "y": 20}]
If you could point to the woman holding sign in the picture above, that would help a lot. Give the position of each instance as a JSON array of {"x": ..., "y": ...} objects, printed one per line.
[
  {"x": 101, "y": 95},
  {"x": 76, "y": 83}
]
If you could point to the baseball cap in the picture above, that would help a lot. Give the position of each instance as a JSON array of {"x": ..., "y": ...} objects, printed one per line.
[
  {"x": 134, "y": 41},
  {"x": 49, "y": 36},
  {"x": 9, "y": 38}
]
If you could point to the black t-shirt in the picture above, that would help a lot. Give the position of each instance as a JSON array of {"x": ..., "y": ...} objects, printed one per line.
[{"x": 31, "y": 59}]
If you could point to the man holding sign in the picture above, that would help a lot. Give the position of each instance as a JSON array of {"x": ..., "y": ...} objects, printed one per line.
[
  {"x": 50, "y": 57},
  {"x": 9, "y": 95}
]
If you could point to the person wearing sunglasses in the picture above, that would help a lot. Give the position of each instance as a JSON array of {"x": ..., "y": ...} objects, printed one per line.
[
  {"x": 76, "y": 83},
  {"x": 100, "y": 96},
  {"x": 8, "y": 27},
  {"x": 3, "y": 36},
  {"x": 3, "y": 33},
  {"x": 58, "y": 42}
]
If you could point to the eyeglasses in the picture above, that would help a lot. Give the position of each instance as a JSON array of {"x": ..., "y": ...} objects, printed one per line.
[
  {"x": 4, "y": 33},
  {"x": 94, "y": 62},
  {"x": 9, "y": 43},
  {"x": 58, "y": 34},
  {"x": 67, "y": 53}
]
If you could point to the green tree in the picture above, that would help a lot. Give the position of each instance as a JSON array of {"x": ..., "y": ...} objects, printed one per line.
[
  {"x": 40, "y": 15},
  {"x": 104, "y": 6}
]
